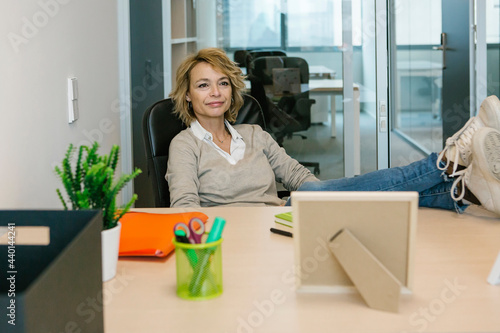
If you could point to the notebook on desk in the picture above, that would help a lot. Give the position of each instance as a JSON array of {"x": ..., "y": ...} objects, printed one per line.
[{"x": 283, "y": 221}]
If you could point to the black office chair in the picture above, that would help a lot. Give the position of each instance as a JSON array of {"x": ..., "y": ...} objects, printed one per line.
[
  {"x": 290, "y": 111},
  {"x": 240, "y": 57},
  {"x": 254, "y": 54},
  {"x": 246, "y": 56},
  {"x": 160, "y": 125}
]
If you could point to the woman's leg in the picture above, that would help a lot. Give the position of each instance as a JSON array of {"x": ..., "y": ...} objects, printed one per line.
[
  {"x": 422, "y": 176},
  {"x": 439, "y": 196}
]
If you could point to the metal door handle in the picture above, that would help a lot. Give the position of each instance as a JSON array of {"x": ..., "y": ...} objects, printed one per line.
[{"x": 443, "y": 47}]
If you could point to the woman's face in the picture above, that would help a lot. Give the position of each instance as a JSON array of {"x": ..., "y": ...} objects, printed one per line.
[{"x": 209, "y": 91}]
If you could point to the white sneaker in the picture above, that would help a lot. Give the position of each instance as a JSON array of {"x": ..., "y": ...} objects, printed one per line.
[
  {"x": 482, "y": 176},
  {"x": 457, "y": 149}
]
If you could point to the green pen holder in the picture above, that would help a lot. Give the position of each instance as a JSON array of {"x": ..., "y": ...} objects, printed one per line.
[{"x": 199, "y": 270}]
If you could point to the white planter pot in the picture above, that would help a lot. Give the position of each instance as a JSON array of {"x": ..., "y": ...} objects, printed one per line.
[{"x": 110, "y": 239}]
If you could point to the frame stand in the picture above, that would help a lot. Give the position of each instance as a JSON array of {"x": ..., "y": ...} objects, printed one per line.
[
  {"x": 376, "y": 284},
  {"x": 494, "y": 277}
]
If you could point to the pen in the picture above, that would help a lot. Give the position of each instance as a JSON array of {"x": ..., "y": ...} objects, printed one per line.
[
  {"x": 200, "y": 271},
  {"x": 281, "y": 232}
]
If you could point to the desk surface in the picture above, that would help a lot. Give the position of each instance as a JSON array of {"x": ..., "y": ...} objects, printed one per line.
[
  {"x": 335, "y": 86},
  {"x": 454, "y": 256},
  {"x": 320, "y": 70},
  {"x": 329, "y": 85},
  {"x": 314, "y": 70}
]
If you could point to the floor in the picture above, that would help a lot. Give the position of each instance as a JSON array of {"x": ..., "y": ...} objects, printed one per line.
[{"x": 320, "y": 147}]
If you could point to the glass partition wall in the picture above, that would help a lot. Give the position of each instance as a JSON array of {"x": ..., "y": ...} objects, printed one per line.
[
  {"x": 493, "y": 47},
  {"x": 340, "y": 131},
  {"x": 425, "y": 51},
  {"x": 417, "y": 78}
]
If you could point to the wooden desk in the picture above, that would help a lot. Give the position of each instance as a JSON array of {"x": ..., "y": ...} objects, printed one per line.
[{"x": 454, "y": 256}]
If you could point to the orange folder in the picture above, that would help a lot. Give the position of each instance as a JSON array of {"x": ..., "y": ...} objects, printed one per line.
[{"x": 147, "y": 234}]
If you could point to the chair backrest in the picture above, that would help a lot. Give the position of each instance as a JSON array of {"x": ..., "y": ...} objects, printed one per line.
[
  {"x": 160, "y": 125},
  {"x": 295, "y": 104},
  {"x": 254, "y": 54},
  {"x": 263, "y": 68},
  {"x": 244, "y": 57},
  {"x": 267, "y": 53},
  {"x": 240, "y": 57}
]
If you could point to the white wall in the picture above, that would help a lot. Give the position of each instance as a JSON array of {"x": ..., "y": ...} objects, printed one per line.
[{"x": 53, "y": 40}]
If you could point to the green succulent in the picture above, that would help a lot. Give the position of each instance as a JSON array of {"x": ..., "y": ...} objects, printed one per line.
[{"x": 90, "y": 183}]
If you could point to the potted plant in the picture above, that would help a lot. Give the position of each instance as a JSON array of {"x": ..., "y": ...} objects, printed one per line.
[{"x": 90, "y": 183}]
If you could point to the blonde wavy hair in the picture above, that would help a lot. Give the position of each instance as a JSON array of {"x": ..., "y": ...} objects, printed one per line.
[{"x": 220, "y": 62}]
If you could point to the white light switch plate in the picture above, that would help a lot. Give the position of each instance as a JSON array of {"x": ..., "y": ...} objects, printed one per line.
[{"x": 72, "y": 99}]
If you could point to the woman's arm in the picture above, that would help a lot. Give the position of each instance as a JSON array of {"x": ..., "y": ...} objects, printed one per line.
[
  {"x": 182, "y": 172},
  {"x": 287, "y": 170}
]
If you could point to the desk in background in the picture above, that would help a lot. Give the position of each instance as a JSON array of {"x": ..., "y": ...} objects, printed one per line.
[
  {"x": 454, "y": 254},
  {"x": 325, "y": 87},
  {"x": 332, "y": 88},
  {"x": 318, "y": 90},
  {"x": 428, "y": 69},
  {"x": 320, "y": 71},
  {"x": 315, "y": 71}
]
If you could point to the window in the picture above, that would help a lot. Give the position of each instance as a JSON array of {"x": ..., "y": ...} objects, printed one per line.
[
  {"x": 252, "y": 24},
  {"x": 418, "y": 22},
  {"x": 317, "y": 24},
  {"x": 492, "y": 21},
  {"x": 312, "y": 23},
  {"x": 286, "y": 24}
]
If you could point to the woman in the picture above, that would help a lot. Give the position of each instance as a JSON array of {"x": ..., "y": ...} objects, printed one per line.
[{"x": 214, "y": 163}]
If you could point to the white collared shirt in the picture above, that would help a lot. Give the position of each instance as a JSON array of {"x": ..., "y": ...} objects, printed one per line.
[{"x": 237, "y": 145}]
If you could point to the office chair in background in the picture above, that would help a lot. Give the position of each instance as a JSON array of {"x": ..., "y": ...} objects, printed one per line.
[
  {"x": 160, "y": 125},
  {"x": 255, "y": 54},
  {"x": 240, "y": 58},
  {"x": 280, "y": 84},
  {"x": 244, "y": 57}
]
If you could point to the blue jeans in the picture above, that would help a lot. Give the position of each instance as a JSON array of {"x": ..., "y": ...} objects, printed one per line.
[{"x": 432, "y": 184}]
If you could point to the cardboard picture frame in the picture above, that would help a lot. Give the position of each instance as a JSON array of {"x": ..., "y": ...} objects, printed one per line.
[{"x": 384, "y": 222}]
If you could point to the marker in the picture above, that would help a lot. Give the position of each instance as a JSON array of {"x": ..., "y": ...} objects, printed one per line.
[
  {"x": 200, "y": 271},
  {"x": 181, "y": 237},
  {"x": 216, "y": 231},
  {"x": 281, "y": 232}
]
